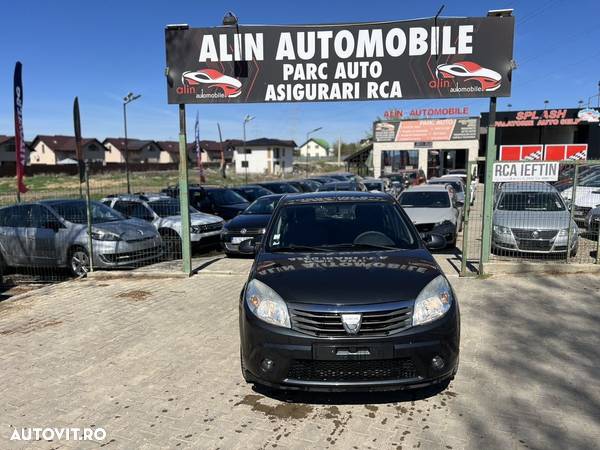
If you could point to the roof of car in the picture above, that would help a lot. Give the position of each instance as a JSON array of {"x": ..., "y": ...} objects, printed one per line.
[
  {"x": 527, "y": 186},
  {"x": 428, "y": 187},
  {"x": 445, "y": 179},
  {"x": 262, "y": 183},
  {"x": 328, "y": 196},
  {"x": 248, "y": 186}
]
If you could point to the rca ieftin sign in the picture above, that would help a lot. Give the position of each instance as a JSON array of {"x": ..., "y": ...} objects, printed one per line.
[
  {"x": 525, "y": 171},
  {"x": 447, "y": 58}
]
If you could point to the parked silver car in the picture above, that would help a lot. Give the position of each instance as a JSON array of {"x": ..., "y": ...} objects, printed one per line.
[
  {"x": 53, "y": 233},
  {"x": 164, "y": 213},
  {"x": 531, "y": 217},
  {"x": 434, "y": 209}
]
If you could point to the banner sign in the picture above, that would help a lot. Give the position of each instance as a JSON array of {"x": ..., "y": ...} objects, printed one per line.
[
  {"x": 395, "y": 113},
  {"x": 426, "y": 130},
  {"x": 543, "y": 118},
  {"x": 549, "y": 152},
  {"x": 20, "y": 149},
  {"x": 525, "y": 171},
  {"x": 457, "y": 58}
]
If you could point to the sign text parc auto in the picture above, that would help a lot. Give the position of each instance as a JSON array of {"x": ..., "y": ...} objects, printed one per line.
[{"x": 459, "y": 57}]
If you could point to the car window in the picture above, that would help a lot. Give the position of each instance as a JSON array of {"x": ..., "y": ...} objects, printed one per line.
[
  {"x": 133, "y": 209},
  {"x": 424, "y": 199},
  {"x": 531, "y": 201},
  {"x": 41, "y": 217},
  {"x": 226, "y": 197},
  {"x": 262, "y": 206},
  {"x": 75, "y": 211},
  {"x": 15, "y": 216},
  {"x": 340, "y": 224}
]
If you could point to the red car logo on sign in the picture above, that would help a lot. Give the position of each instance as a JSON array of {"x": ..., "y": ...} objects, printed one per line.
[
  {"x": 211, "y": 79},
  {"x": 489, "y": 79}
]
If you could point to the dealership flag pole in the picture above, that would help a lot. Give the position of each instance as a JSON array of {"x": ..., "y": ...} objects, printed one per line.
[
  {"x": 184, "y": 203},
  {"x": 223, "y": 174},
  {"x": 488, "y": 194},
  {"x": 88, "y": 208},
  {"x": 19, "y": 135},
  {"x": 78, "y": 153},
  {"x": 198, "y": 149}
]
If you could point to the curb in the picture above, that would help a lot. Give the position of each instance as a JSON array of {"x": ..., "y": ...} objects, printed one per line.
[
  {"x": 121, "y": 274},
  {"x": 540, "y": 268}
]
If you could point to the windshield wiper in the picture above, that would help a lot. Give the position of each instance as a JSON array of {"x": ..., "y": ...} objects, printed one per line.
[
  {"x": 292, "y": 248},
  {"x": 353, "y": 245}
]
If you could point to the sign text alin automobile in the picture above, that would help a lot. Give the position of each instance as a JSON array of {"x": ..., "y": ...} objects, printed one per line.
[{"x": 460, "y": 57}]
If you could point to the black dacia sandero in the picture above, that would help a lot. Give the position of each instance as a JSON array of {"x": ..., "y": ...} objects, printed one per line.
[{"x": 344, "y": 295}]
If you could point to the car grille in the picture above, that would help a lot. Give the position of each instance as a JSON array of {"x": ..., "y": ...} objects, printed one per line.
[
  {"x": 132, "y": 257},
  {"x": 352, "y": 370},
  {"x": 521, "y": 233},
  {"x": 329, "y": 324},
  {"x": 424, "y": 227},
  {"x": 251, "y": 231},
  {"x": 535, "y": 246},
  {"x": 207, "y": 228}
]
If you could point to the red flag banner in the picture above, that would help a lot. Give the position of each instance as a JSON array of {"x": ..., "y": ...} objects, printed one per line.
[{"x": 20, "y": 150}]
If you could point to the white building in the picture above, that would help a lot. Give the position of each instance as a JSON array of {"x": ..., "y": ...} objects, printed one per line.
[
  {"x": 315, "y": 148},
  {"x": 265, "y": 156}
]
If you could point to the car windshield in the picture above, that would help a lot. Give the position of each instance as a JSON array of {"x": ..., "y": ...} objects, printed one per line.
[
  {"x": 226, "y": 197},
  {"x": 167, "y": 207},
  {"x": 425, "y": 199},
  {"x": 281, "y": 188},
  {"x": 531, "y": 201},
  {"x": 373, "y": 185},
  {"x": 457, "y": 185},
  {"x": 76, "y": 212},
  {"x": 262, "y": 206},
  {"x": 397, "y": 177},
  {"x": 340, "y": 225},
  {"x": 252, "y": 193},
  {"x": 338, "y": 186}
]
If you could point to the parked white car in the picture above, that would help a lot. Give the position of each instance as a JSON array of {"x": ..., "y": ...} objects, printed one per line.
[
  {"x": 587, "y": 198},
  {"x": 434, "y": 209},
  {"x": 462, "y": 174},
  {"x": 164, "y": 213}
]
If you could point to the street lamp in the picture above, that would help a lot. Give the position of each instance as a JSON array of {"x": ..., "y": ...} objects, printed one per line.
[
  {"x": 546, "y": 104},
  {"x": 307, "y": 136},
  {"x": 247, "y": 119},
  {"x": 126, "y": 100}
]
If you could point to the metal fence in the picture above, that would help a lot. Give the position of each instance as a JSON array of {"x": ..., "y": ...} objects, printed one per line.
[
  {"x": 55, "y": 233},
  {"x": 539, "y": 222}
]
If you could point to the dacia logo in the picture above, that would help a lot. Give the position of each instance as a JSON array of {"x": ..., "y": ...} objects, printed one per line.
[{"x": 352, "y": 323}]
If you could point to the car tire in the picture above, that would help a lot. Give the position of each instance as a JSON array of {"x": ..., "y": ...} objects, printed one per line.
[
  {"x": 79, "y": 261},
  {"x": 171, "y": 244}
]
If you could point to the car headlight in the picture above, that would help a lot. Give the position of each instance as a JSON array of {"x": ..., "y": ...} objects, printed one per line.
[
  {"x": 100, "y": 235},
  {"x": 500, "y": 230},
  {"x": 433, "y": 302},
  {"x": 196, "y": 229},
  {"x": 443, "y": 222},
  {"x": 262, "y": 230},
  {"x": 266, "y": 304}
]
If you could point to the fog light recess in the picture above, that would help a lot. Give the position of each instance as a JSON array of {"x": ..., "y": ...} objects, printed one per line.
[
  {"x": 438, "y": 362},
  {"x": 266, "y": 365}
]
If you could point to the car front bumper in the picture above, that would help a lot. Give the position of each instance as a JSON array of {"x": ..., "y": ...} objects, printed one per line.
[
  {"x": 122, "y": 254},
  {"x": 304, "y": 362},
  {"x": 229, "y": 246},
  {"x": 446, "y": 230},
  {"x": 542, "y": 246}
]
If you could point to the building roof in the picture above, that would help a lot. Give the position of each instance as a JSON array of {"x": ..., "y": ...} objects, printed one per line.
[
  {"x": 4, "y": 139},
  {"x": 168, "y": 146},
  {"x": 132, "y": 144},
  {"x": 322, "y": 142},
  {"x": 62, "y": 143},
  {"x": 268, "y": 142}
]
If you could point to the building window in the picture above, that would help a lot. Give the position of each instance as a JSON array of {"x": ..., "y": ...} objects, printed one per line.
[
  {"x": 276, "y": 152},
  {"x": 400, "y": 159},
  {"x": 248, "y": 151}
]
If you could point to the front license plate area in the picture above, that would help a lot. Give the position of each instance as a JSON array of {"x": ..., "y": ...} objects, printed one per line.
[
  {"x": 326, "y": 352},
  {"x": 238, "y": 239}
]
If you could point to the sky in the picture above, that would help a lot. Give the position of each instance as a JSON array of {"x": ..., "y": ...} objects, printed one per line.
[{"x": 102, "y": 50}]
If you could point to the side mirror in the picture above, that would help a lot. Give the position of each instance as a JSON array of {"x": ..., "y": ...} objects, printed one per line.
[{"x": 435, "y": 242}]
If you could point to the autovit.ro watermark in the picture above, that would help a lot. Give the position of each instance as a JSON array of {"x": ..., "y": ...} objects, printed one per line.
[{"x": 58, "y": 434}]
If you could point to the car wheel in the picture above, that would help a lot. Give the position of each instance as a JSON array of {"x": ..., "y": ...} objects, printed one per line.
[
  {"x": 79, "y": 262},
  {"x": 171, "y": 245}
]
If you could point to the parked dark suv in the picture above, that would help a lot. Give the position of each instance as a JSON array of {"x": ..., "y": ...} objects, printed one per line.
[
  {"x": 344, "y": 295},
  {"x": 222, "y": 202}
]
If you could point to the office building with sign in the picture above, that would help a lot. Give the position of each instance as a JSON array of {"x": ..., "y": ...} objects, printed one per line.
[
  {"x": 433, "y": 145},
  {"x": 546, "y": 135}
]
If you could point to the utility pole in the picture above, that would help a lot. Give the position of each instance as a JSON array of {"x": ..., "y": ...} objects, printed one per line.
[
  {"x": 126, "y": 100},
  {"x": 307, "y": 136},
  {"x": 488, "y": 194},
  {"x": 339, "y": 151},
  {"x": 247, "y": 119}
]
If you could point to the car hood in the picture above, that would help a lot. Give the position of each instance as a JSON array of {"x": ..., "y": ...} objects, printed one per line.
[
  {"x": 541, "y": 220},
  {"x": 429, "y": 215},
  {"x": 248, "y": 221},
  {"x": 347, "y": 278},
  {"x": 130, "y": 229}
]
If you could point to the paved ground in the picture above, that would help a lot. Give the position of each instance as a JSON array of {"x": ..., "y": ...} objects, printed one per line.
[{"x": 155, "y": 363}]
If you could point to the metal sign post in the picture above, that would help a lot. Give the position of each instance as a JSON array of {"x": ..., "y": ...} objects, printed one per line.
[
  {"x": 88, "y": 208},
  {"x": 467, "y": 206},
  {"x": 184, "y": 201},
  {"x": 488, "y": 195}
]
